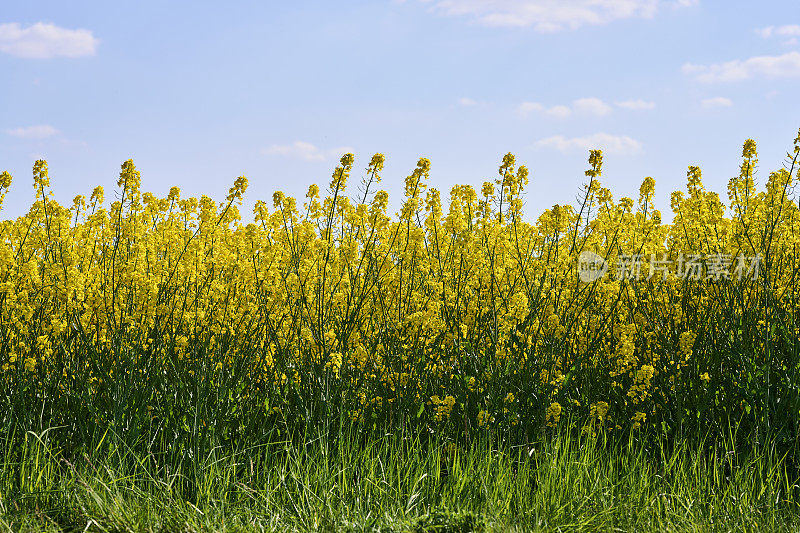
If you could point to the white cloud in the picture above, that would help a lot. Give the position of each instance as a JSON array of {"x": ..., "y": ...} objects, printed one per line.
[
  {"x": 548, "y": 16},
  {"x": 637, "y": 105},
  {"x": 528, "y": 107},
  {"x": 306, "y": 151},
  {"x": 43, "y": 40},
  {"x": 789, "y": 30},
  {"x": 591, "y": 106},
  {"x": 582, "y": 106},
  {"x": 559, "y": 111},
  {"x": 613, "y": 144},
  {"x": 717, "y": 101},
  {"x": 467, "y": 102},
  {"x": 783, "y": 66},
  {"x": 33, "y": 132}
]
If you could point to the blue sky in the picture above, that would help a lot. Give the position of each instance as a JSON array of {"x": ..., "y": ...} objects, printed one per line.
[{"x": 198, "y": 93}]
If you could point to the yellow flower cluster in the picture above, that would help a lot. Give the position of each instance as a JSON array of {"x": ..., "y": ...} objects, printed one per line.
[
  {"x": 443, "y": 406},
  {"x": 553, "y": 414},
  {"x": 340, "y": 303}
]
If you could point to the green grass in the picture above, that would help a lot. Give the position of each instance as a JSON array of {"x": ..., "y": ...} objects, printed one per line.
[{"x": 347, "y": 482}]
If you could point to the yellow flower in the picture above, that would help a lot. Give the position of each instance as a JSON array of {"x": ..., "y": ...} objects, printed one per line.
[
  {"x": 637, "y": 419},
  {"x": 553, "y": 414}
]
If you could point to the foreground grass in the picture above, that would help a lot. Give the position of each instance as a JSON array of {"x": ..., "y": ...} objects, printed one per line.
[{"x": 395, "y": 484}]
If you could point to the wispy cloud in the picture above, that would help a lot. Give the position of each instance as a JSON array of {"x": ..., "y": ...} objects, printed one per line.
[
  {"x": 305, "y": 150},
  {"x": 789, "y": 33},
  {"x": 467, "y": 102},
  {"x": 636, "y": 105},
  {"x": 582, "y": 106},
  {"x": 591, "y": 106},
  {"x": 44, "y": 40},
  {"x": 548, "y": 16},
  {"x": 613, "y": 144},
  {"x": 782, "y": 66},
  {"x": 717, "y": 101},
  {"x": 526, "y": 108},
  {"x": 42, "y": 131}
]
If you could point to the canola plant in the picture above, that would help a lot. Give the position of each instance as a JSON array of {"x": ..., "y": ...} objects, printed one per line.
[{"x": 171, "y": 314}]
